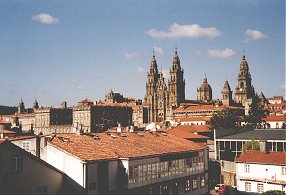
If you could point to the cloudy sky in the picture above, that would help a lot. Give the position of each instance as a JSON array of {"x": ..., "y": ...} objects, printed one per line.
[{"x": 68, "y": 50}]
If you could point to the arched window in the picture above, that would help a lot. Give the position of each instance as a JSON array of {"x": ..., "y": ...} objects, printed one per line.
[{"x": 241, "y": 85}]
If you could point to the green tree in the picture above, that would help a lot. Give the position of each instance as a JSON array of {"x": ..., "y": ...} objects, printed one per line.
[
  {"x": 225, "y": 119},
  {"x": 273, "y": 192},
  {"x": 250, "y": 145},
  {"x": 255, "y": 113}
]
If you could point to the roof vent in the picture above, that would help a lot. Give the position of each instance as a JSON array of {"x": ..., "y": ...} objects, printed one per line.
[
  {"x": 119, "y": 130},
  {"x": 95, "y": 137},
  {"x": 140, "y": 134},
  {"x": 165, "y": 134},
  {"x": 66, "y": 139},
  {"x": 123, "y": 135},
  {"x": 113, "y": 136},
  {"x": 131, "y": 129}
]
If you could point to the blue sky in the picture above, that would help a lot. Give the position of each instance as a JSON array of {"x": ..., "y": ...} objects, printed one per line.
[{"x": 66, "y": 50}]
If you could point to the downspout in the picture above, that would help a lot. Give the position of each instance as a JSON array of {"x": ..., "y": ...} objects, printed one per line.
[
  {"x": 84, "y": 178},
  {"x": 215, "y": 149}
]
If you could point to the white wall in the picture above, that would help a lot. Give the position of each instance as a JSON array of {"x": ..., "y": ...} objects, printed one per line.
[
  {"x": 275, "y": 125},
  {"x": 261, "y": 174},
  {"x": 70, "y": 165}
]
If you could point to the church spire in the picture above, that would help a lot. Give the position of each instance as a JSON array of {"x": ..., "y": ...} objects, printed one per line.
[{"x": 176, "y": 61}]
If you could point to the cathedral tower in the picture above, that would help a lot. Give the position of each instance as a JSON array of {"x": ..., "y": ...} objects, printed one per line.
[
  {"x": 226, "y": 94},
  {"x": 176, "y": 83},
  {"x": 244, "y": 89},
  {"x": 204, "y": 93},
  {"x": 21, "y": 107},
  {"x": 150, "y": 99}
]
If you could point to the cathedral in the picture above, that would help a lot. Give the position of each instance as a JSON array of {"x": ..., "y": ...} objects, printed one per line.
[{"x": 161, "y": 99}]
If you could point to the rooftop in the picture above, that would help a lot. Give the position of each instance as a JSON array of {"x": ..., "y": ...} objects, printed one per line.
[
  {"x": 275, "y": 118},
  {"x": 106, "y": 146},
  {"x": 186, "y": 135},
  {"x": 204, "y": 107},
  {"x": 191, "y": 128},
  {"x": 200, "y": 118},
  {"x": 275, "y": 158},
  {"x": 259, "y": 134}
]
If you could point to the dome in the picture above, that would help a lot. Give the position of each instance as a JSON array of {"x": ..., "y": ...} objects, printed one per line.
[{"x": 205, "y": 86}]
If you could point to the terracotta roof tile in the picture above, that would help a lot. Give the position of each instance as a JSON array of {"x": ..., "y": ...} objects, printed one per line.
[
  {"x": 21, "y": 137},
  {"x": 186, "y": 135},
  {"x": 193, "y": 119},
  {"x": 128, "y": 145},
  {"x": 275, "y": 118},
  {"x": 276, "y": 158},
  {"x": 86, "y": 101},
  {"x": 192, "y": 128},
  {"x": 7, "y": 131}
]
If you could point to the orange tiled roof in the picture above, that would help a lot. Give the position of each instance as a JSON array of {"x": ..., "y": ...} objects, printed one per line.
[
  {"x": 193, "y": 119},
  {"x": 21, "y": 137},
  {"x": 2, "y": 140},
  {"x": 4, "y": 122},
  {"x": 86, "y": 101},
  {"x": 132, "y": 145},
  {"x": 202, "y": 107},
  {"x": 275, "y": 118},
  {"x": 186, "y": 135},
  {"x": 6, "y": 131},
  {"x": 192, "y": 128},
  {"x": 276, "y": 158}
]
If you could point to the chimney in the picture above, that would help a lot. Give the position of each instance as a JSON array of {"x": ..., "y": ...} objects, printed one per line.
[
  {"x": 64, "y": 105},
  {"x": 119, "y": 128},
  {"x": 131, "y": 129}
]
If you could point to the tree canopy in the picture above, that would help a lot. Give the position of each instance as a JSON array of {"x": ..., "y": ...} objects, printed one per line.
[
  {"x": 255, "y": 113},
  {"x": 225, "y": 119}
]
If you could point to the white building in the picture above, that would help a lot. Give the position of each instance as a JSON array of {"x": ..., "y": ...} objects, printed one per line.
[
  {"x": 130, "y": 163},
  {"x": 258, "y": 172},
  {"x": 24, "y": 173},
  {"x": 275, "y": 122}
]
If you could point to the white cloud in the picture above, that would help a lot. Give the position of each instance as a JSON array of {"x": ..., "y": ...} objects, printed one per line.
[
  {"x": 255, "y": 34},
  {"x": 131, "y": 56},
  {"x": 184, "y": 31},
  {"x": 166, "y": 73},
  {"x": 221, "y": 53},
  {"x": 45, "y": 18},
  {"x": 283, "y": 87},
  {"x": 141, "y": 70},
  {"x": 82, "y": 88},
  {"x": 158, "y": 50}
]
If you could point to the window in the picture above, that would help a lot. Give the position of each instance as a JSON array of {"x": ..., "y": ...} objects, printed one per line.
[
  {"x": 16, "y": 163},
  {"x": 246, "y": 168},
  {"x": 187, "y": 185},
  {"x": 260, "y": 188},
  {"x": 195, "y": 183},
  {"x": 131, "y": 172},
  {"x": 43, "y": 190},
  {"x": 203, "y": 182},
  {"x": 283, "y": 170},
  {"x": 26, "y": 146},
  {"x": 247, "y": 186}
]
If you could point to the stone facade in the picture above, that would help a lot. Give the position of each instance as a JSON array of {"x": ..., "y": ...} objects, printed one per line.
[
  {"x": 244, "y": 89},
  {"x": 204, "y": 93},
  {"x": 159, "y": 99}
]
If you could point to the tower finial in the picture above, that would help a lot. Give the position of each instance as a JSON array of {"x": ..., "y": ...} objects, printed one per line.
[
  {"x": 153, "y": 52},
  {"x": 243, "y": 53}
]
